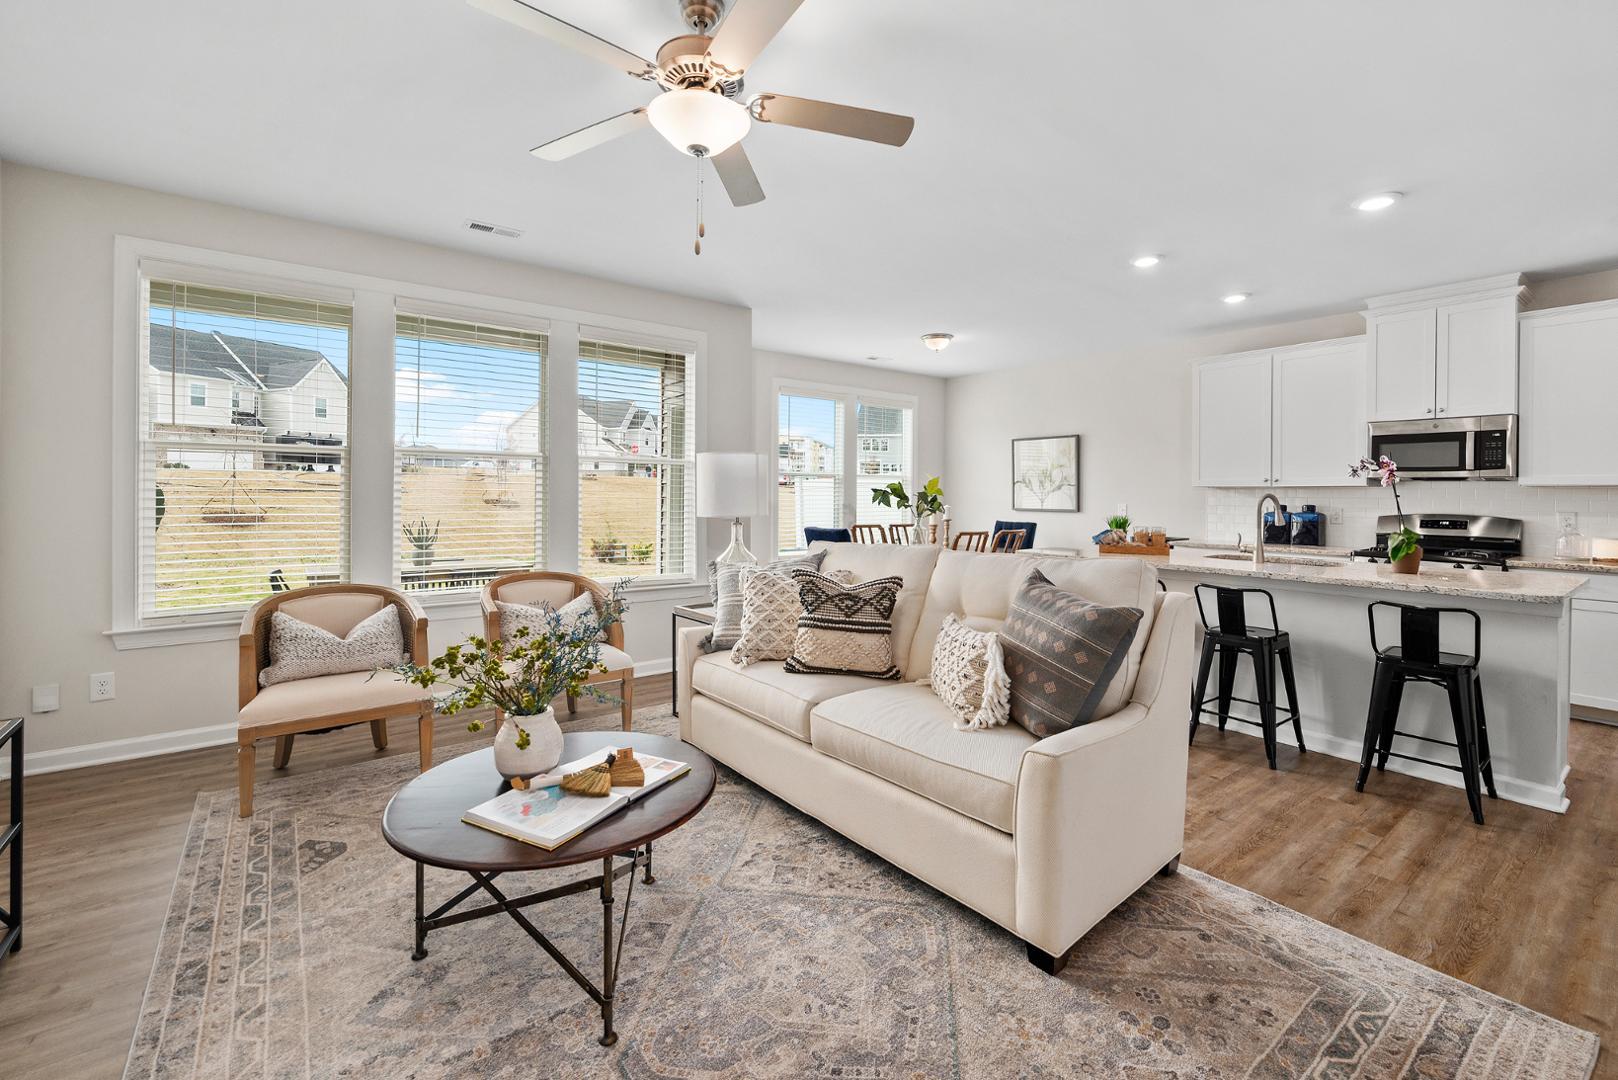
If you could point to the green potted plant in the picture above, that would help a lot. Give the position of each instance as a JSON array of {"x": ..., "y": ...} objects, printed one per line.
[
  {"x": 520, "y": 677},
  {"x": 927, "y": 501},
  {"x": 1404, "y": 546},
  {"x": 1118, "y": 525},
  {"x": 422, "y": 539}
]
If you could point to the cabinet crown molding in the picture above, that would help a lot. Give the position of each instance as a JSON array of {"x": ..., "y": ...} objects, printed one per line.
[{"x": 1500, "y": 286}]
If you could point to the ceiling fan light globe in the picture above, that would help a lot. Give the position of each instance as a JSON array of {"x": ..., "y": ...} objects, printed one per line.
[{"x": 698, "y": 122}]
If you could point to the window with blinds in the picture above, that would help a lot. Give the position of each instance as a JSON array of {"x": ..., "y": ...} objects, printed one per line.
[
  {"x": 809, "y": 480},
  {"x": 469, "y": 451},
  {"x": 244, "y": 479},
  {"x": 882, "y": 456},
  {"x": 637, "y": 509}
]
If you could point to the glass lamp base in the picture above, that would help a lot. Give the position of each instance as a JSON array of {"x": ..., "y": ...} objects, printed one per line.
[{"x": 736, "y": 554}]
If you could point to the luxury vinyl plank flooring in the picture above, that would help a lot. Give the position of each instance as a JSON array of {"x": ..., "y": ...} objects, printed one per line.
[{"x": 1526, "y": 907}]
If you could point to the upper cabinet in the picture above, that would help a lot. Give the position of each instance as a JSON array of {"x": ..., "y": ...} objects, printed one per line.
[
  {"x": 1568, "y": 434},
  {"x": 1446, "y": 351},
  {"x": 1292, "y": 416}
]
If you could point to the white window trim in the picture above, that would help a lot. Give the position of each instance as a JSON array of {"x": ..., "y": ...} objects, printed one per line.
[
  {"x": 848, "y": 399},
  {"x": 376, "y": 302}
]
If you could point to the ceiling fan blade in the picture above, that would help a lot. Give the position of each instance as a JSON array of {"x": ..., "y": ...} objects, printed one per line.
[
  {"x": 749, "y": 26},
  {"x": 736, "y": 173},
  {"x": 865, "y": 124},
  {"x": 564, "y": 33},
  {"x": 586, "y": 138}
]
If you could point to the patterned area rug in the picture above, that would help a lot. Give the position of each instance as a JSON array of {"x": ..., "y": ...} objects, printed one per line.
[{"x": 768, "y": 947}]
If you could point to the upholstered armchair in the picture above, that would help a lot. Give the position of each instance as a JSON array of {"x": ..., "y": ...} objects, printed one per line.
[
  {"x": 555, "y": 588},
  {"x": 283, "y": 710}
]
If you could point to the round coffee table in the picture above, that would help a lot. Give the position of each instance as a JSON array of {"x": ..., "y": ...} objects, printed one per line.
[{"x": 423, "y": 823}]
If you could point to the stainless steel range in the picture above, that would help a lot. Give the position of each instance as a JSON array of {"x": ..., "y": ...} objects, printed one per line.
[{"x": 1470, "y": 541}]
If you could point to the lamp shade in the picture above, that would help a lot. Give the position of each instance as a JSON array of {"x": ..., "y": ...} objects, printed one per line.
[
  {"x": 728, "y": 485},
  {"x": 698, "y": 122}
]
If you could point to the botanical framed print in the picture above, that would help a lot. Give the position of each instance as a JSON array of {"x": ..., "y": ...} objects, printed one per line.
[{"x": 1045, "y": 474}]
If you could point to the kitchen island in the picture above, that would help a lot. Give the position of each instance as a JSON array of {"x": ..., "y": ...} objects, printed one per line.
[{"x": 1322, "y": 603}]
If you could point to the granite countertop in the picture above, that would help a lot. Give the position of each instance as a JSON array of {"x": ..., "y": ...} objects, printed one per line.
[
  {"x": 1544, "y": 563},
  {"x": 1526, "y": 586},
  {"x": 1278, "y": 549}
]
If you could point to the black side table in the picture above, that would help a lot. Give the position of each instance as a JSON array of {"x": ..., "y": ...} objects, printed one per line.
[
  {"x": 701, "y": 614},
  {"x": 11, "y": 915}
]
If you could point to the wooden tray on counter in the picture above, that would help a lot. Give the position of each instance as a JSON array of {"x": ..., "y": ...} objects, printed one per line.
[{"x": 1159, "y": 545}]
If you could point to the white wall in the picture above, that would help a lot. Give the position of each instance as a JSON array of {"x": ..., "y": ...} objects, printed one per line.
[{"x": 56, "y": 449}]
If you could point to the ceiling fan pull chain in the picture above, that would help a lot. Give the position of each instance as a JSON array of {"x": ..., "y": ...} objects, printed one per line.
[{"x": 702, "y": 229}]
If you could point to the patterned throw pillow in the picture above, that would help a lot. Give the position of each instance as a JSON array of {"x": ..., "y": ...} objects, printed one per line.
[
  {"x": 300, "y": 650},
  {"x": 727, "y": 592},
  {"x": 1061, "y": 653},
  {"x": 969, "y": 675},
  {"x": 537, "y": 616},
  {"x": 770, "y": 609},
  {"x": 845, "y": 629}
]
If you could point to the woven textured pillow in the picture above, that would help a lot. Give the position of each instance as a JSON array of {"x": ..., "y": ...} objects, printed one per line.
[
  {"x": 537, "y": 616},
  {"x": 770, "y": 609},
  {"x": 727, "y": 592},
  {"x": 969, "y": 675},
  {"x": 300, "y": 650},
  {"x": 1061, "y": 653},
  {"x": 845, "y": 629}
]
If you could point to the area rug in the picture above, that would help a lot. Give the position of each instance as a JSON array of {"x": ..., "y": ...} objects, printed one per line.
[{"x": 768, "y": 947}]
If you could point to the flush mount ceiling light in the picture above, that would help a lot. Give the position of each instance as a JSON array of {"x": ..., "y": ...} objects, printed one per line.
[
  {"x": 701, "y": 123},
  {"x": 1237, "y": 297},
  {"x": 1145, "y": 262},
  {"x": 1370, "y": 204},
  {"x": 937, "y": 342}
]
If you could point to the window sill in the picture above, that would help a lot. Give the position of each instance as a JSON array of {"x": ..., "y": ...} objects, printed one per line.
[{"x": 150, "y": 637}]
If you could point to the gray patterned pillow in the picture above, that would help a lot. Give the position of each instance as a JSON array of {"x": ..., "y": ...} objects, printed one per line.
[
  {"x": 727, "y": 592},
  {"x": 1061, "y": 653},
  {"x": 969, "y": 675},
  {"x": 537, "y": 616},
  {"x": 300, "y": 650},
  {"x": 770, "y": 609},
  {"x": 845, "y": 629}
]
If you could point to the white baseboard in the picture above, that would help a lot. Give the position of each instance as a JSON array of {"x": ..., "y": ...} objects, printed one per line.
[
  {"x": 654, "y": 667},
  {"x": 104, "y": 753}
]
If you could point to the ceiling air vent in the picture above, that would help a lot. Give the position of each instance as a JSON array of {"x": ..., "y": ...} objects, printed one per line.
[{"x": 495, "y": 230}]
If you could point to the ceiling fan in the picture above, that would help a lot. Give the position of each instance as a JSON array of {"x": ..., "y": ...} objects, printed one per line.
[{"x": 700, "y": 109}]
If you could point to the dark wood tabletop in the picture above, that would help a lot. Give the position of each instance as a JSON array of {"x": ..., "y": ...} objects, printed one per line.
[{"x": 423, "y": 819}]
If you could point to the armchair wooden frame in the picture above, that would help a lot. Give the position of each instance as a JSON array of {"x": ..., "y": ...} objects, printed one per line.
[
  {"x": 624, "y": 677},
  {"x": 254, "y": 654}
]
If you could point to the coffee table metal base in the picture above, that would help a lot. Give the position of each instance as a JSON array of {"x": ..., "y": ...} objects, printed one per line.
[{"x": 447, "y": 915}]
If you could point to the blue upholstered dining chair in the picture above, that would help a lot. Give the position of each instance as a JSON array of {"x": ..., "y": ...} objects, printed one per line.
[
  {"x": 811, "y": 533},
  {"x": 1027, "y": 528}
]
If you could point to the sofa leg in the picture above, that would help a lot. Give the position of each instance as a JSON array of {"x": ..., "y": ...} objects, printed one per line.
[
  {"x": 244, "y": 778},
  {"x": 1171, "y": 867},
  {"x": 1044, "y": 961}
]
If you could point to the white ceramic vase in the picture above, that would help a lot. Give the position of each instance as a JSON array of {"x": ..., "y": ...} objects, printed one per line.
[{"x": 544, "y": 745}]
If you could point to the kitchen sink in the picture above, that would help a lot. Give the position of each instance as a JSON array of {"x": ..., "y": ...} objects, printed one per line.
[{"x": 1289, "y": 560}]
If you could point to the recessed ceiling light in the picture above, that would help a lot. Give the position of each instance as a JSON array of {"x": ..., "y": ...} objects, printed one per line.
[
  {"x": 936, "y": 341},
  {"x": 1145, "y": 262},
  {"x": 1237, "y": 297},
  {"x": 1380, "y": 201}
]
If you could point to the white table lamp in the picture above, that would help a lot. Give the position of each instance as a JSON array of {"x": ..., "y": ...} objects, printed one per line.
[{"x": 729, "y": 486}]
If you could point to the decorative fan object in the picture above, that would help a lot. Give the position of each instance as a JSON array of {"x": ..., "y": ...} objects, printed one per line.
[{"x": 701, "y": 110}]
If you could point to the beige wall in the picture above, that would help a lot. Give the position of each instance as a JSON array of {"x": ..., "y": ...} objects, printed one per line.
[{"x": 56, "y": 448}]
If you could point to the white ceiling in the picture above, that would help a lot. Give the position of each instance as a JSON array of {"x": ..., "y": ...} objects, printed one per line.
[{"x": 1054, "y": 141}]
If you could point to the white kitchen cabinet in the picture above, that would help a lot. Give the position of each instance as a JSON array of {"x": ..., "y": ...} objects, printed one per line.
[
  {"x": 1594, "y": 676},
  {"x": 1231, "y": 410},
  {"x": 1403, "y": 355},
  {"x": 1568, "y": 430},
  {"x": 1446, "y": 351},
  {"x": 1319, "y": 405},
  {"x": 1477, "y": 357}
]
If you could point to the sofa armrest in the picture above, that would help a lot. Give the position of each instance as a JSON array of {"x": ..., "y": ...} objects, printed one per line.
[
  {"x": 1101, "y": 808},
  {"x": 687, "y": 651}
]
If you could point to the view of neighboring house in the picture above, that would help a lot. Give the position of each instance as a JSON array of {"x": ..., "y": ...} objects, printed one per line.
[
  {"x": 614, "y": 428},
  {"x": 209, "y": 382},
  {"x": 884, "y": 440},
  {"x": 806, "y": 454}
]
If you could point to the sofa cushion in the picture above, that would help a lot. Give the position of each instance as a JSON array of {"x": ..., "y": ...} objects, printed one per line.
[
  {"x": 725, "y": 591},
  {"x": 969, "y": 675},
  {"x": 769, "y": 694},
  {"x": 911, "y": 562},
  {"x": 330, "y": 695},
  {"x": 844, "y": 629},
  {"x": 979, "y": 588},
  {"x": 905, "y": 735},
  {"x": 771, "y": 605}
]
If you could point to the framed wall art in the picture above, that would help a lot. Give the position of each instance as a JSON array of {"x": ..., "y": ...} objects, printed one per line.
[{"x": 1045, "y": 473}]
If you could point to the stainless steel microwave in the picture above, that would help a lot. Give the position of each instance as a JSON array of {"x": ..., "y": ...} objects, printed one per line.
[{"x": 1453, "y": 448}]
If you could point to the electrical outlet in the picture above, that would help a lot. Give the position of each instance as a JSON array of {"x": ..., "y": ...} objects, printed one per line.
[
  {"x": 102, "y": 686},
  {"x": 1123, "y": 510},
  {"x": 1334, "y": 516},
  {"x": 47, "y": 698},
  {"x": 1567, "y": 520}
]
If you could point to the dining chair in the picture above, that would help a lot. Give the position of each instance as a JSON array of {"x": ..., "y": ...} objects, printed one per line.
[
  {"x": 970, "y": 541},
  {"x": 1007, "y": 541},
  {"x": 899, "y": 534},
  {"x": 870, "y": 534}
]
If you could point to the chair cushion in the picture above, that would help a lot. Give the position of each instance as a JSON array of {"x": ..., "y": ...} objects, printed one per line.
[
  {"x": 329, "y": 695},
  {"x": 845, "y": 629},
  {"x": 905, "y": 735},
  {"x": 334, "y": 612},
  {"x": 769, "y": 694},
  {"x": 300, "y": 650},
  {"x": 615, "y": 659}
]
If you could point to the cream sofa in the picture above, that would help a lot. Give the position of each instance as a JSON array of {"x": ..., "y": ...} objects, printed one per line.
[{"x": 1042, "y": 836}]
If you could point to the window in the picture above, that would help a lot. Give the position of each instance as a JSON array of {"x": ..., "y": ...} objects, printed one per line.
[
  {"x": 230, "y": 508},
  {"x": 885, "y": 453},
  {"x": 469, "y": 450},
  {"x": 809, "y": 484},
  {"x": 320, "y": 408},
  {"x": 636, "y": 502}
]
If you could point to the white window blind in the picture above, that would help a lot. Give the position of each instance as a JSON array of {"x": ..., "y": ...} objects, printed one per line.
[
  {"x": 637, "y": 510},
  {"x": 883, "y": 455},
  {"x": 469, "y": 438},
  {"x": 810, "y": 451},
  {"x": 236, "y": 502}
]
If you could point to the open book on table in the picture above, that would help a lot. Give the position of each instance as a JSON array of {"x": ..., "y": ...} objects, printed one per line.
[{"x": 548, "y": 817}]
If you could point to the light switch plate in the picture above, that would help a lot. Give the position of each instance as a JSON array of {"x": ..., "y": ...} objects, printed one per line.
[
  {"x": 47, "y": 698},
  {"x": 1567, "y": 519},
  {"x": 102, "y": 686},
  {"x": 1123, "y": 510}
]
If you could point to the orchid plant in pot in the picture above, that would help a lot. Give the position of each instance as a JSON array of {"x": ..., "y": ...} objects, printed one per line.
[
  {"x": 1404, "y": 546},
  {"x": 520, "y": 676}
]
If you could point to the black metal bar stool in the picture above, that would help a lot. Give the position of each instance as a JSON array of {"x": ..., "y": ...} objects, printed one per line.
[
  {"x": 1265, "y": 644},
  {"x": 1418, "y": 658}
]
